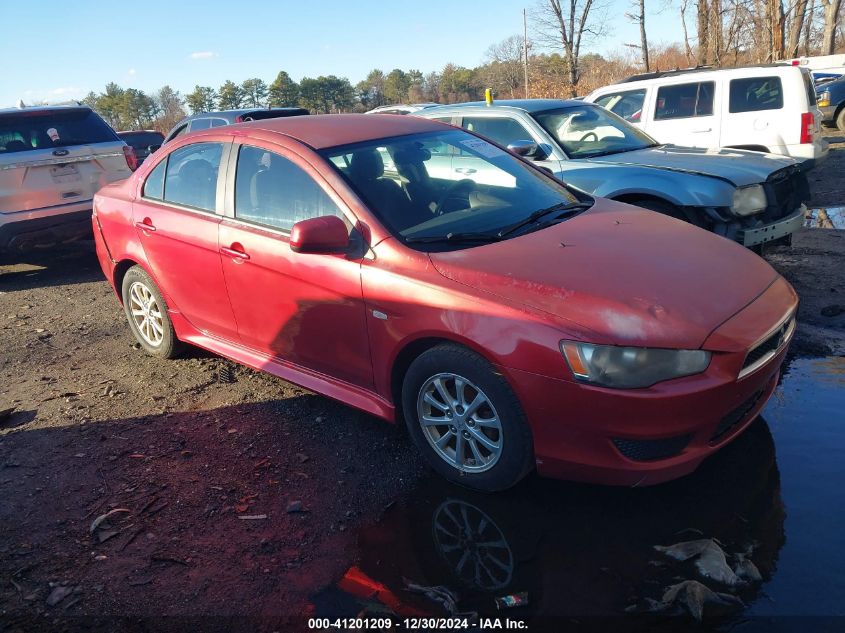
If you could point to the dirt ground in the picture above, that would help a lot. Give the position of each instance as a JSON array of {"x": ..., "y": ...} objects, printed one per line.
[{"x": 231, "y": 493}]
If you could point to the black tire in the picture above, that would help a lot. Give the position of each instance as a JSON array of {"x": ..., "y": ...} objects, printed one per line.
[
  {"x": 168, "y": 346},
  {"x": 840, "y": 119},
  {"x": 516, "y": 455},
  {"x": 659, "y": 206}
]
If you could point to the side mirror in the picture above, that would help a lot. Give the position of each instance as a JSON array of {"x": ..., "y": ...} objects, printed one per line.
[
  {"x": 528, "y": 149},
  {"x": 153, "y": 148},
  {"x": 325, "y": 234}
]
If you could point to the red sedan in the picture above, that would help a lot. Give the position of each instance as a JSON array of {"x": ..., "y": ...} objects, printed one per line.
[{"x": 513, "y": 323}]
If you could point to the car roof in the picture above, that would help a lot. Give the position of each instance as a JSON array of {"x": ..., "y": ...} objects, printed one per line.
[
  {"x": 37, "y": 109},
  {"x": 702, "y": 69},
  {"x": 529, "y": 105},
  {"x": 321, "y": 131},
  {"x": 231, "y": 115}
]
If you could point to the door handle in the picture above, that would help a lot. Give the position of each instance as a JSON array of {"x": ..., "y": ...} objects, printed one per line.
[
  {"x": 233, "y": 252},
  {"x": 465, "y": 170},
  {"x": 145, "y": 226}
]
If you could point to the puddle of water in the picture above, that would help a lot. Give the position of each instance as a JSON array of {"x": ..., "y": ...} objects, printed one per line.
[
  {"x": 825, "y": 218},
  {"x": 580, "y": 550}
]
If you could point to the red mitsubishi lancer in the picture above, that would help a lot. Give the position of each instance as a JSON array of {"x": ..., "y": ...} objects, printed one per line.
[{"x": 511, "y": 322}]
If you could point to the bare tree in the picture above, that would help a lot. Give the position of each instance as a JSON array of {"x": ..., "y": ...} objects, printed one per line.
[
  {"x": 687, "y": 47},
  {"x": 504, "y": 71},
  {"x": 808, "y": 26},
  {"x": 567, "y": 24},
  {"x": 639, "y": 18},
  {"x": 775, "y": 22},
  {"x": 703, "y": 24},
  {"x": 796, "y": 27},
  {"x": 831, "y": 21}
]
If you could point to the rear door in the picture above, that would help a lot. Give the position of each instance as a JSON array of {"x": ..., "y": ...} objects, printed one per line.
[
  {"x": 55, "y": 157},
  {"x": 754, "y": 110},
  {"x": 683, "y": 114},
  {"x": 176, "y": 217},
  {"x": 300, "y": 308}
]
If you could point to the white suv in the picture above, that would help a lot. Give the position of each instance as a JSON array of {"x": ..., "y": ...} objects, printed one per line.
[
  {"x": 769, "y": 108},
  {"x": 52, "y": 162}
]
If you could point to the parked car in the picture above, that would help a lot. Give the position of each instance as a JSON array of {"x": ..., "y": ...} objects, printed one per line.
[
  {"x": 769, "y": 108},
  {"x": 821, "y": 63},
  {"x": 52, "y": 161},
  {"x": 399, "y": 108},
  {"x": 512, "y": 324},
  {"x": 822, "y": 78},
  {"x": 831, "y": 97},
  {"x": 205, "y": 120},
  {"x": 745, "y": 196},
  {"x": 144, "y": 142}
]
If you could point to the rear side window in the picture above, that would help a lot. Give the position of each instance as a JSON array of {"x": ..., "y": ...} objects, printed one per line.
[
  {"x": 628, "y": 105},
  {"x": 191, "y": 176},
  {"x": 271, "y": 190},
  {"x": 809, "y": 88},
  {"x": 200, "y": 124},
  {"x": 756, "y": 93},
  {"x": 503, "y": 131},
  {"x": 684, "y": 101},
  {"x": 26, "y": 131},
  {"x": 154, "y": 185}
]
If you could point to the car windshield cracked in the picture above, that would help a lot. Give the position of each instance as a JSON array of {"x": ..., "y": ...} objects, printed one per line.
[{"x": 410, "y": 183}]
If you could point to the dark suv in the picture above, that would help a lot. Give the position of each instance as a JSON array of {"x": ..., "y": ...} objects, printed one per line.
[
  {"x": 831, "y": 100},
  {"x": 205, "y": 120},
  {"x": 144, "y": 142}
]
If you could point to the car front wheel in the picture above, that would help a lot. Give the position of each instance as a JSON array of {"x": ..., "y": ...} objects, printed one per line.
[
  {"x": 466, "y": 420},
  {"x": 147, "y": 314}
]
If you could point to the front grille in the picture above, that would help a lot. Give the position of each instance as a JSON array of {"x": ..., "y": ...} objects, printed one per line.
[
  {"x": 785, "y": 189},
  {"x": 735, "y": 417},
  {"x": 769, "y": 346},
  {"x": 649, "y": 450}
]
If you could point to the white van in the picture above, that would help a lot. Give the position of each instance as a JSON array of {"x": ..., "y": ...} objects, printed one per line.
[{"x": 768, "y": 108}]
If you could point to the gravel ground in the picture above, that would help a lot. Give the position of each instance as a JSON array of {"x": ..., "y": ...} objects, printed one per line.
[{"x": 232, "y": 493}]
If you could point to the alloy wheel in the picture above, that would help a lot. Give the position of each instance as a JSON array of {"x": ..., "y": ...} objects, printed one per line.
[
  {"x": 460, "y": 423},
  {"x": 146, "y": 314}
]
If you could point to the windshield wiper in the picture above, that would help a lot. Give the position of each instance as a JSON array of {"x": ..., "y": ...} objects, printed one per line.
[
  {"x": 569, "y": 207},
  {"x": 454, "y": 237}
]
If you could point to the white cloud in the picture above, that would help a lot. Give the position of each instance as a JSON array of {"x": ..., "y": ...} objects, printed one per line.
[
  {"x": 132, "y": 72},
  {"x": 203, "y": 55}
]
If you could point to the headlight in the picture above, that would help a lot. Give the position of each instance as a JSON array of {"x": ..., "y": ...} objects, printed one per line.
[
  {"x": 630, "y": 367},
  {"x": 823, "y": 100},
  {"x": 749, "y": 200}
]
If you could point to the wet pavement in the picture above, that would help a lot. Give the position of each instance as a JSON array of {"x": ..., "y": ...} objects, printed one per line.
[{"x": 583, "y": 554}]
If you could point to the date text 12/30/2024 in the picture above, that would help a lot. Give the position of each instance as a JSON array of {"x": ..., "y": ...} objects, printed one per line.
[{"x": 415, "y": 624}]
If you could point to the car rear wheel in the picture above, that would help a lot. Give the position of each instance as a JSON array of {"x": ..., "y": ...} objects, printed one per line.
[
  {"x": 147, "y": 314},
  {"x": 466, "y": 420},
  {"x": 840, "y": 119}
]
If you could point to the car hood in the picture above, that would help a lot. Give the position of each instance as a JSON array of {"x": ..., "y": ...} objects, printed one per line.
[
  {"x": 631, "y": 276},
  {"x": 739, "y": 167}
]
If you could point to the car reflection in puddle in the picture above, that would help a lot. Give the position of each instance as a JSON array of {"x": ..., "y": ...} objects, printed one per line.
[
  {"x": 825, "y": 218},
  {"x": 578, "y": 551}
]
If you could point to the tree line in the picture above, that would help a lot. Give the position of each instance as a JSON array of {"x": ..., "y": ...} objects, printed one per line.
[{"x": 720, "y": 33}]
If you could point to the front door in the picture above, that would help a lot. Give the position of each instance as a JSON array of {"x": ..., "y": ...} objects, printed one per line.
[
  {"x": 305, "y": 309},
  {"x": 177, "y": 222}
]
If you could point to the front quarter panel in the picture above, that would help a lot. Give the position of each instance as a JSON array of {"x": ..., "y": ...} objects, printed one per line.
[{"x": 681, "y": 189}]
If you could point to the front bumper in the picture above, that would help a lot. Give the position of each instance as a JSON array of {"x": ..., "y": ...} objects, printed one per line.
[
  {"x": 772, "y": 231},
  {"x": 827, "y": 114},
  {"x": 26, "y": 231},
  {"x": 642, "y": 437}
]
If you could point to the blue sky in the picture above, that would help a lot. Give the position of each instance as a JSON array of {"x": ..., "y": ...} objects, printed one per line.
[{"x": 58, "y": 51}]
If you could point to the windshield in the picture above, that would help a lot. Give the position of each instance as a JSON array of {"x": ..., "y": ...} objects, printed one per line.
[
  {"x": 587, "y": 131},
  {"x": 449, "y": 187}
]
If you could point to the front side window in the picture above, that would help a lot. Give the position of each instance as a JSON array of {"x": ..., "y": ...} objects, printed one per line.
[
  {"x": 756, "y": 93},
  {"x": 435, "y": 209},
  {"x": 502, "y": 130},
  {"x": 273, "y": 191},
  {"x": 628, "y": 105},
  {"x": 587, "y": 131},
  {"x": 684, "y": 101},
  {"x": 191, "y": 176}
]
